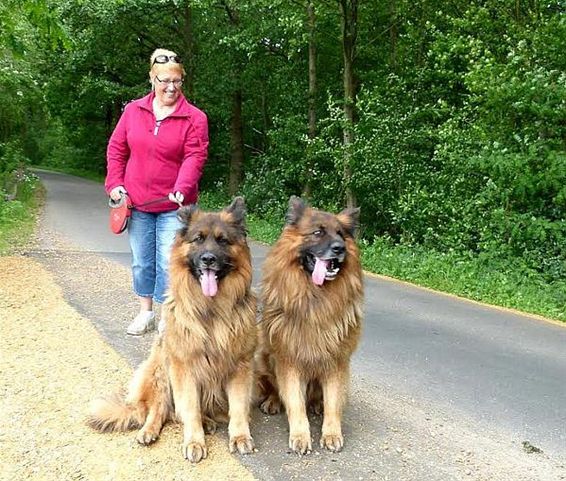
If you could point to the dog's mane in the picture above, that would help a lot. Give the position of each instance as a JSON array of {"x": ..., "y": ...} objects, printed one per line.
[
  {"x": 234, "y": 289},
  {"x": 286, "y": 282},
  {"x": 216, "y": 327},
  {"x": 292, "y": 301}
]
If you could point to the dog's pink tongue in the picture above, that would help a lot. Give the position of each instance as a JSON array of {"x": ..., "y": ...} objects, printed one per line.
[
  {"x": 319, "y": 271},
  {"x": 208, "y": 283}
]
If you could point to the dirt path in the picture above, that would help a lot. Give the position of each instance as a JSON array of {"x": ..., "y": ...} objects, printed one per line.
[{"x": 53, "y": 361}]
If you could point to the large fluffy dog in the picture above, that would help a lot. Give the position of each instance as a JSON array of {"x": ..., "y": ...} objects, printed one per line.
[
  {"x": 201, "y": 368},
  {"x": 312, "y": 311}
]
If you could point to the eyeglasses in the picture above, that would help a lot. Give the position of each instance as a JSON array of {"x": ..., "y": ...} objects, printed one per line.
[
  {"x": 166, "y": 58},
  {"x": 177, "y": 83}
]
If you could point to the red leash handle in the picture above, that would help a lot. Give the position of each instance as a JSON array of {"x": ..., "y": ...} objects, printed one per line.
[
  {"x": 121, "y": 210},
  {"x": 116, "y": 204}
]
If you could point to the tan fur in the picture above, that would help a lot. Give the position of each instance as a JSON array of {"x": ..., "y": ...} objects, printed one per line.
[
  {"x": 201, "y": 369},
  {"x": 308, "y": 332}
]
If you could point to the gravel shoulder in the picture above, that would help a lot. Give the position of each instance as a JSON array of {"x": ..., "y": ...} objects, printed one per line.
[{"x": 53, "y": 362}]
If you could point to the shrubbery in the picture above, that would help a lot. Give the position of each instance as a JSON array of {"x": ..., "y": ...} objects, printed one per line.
[
  {"x": 463, "y": 153},
  {"x": 18, "y": 187}
]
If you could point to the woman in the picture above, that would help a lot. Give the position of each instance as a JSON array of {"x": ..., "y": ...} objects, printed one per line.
[{"x": 156, "y": 154}]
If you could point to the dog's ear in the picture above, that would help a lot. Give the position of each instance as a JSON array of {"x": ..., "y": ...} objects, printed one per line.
[
  {"x": 237, "y": 209},
  {"x": 296, "y": 210},
  {"x": 186, "y": 213},
  {"x": 350, "y": 220}
]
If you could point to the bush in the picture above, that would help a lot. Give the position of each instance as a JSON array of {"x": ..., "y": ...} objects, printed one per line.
[
  {"x": 271, "y": 178},
  {"x": 13, "y": 173},
  {"x": 17, "y": 196}
]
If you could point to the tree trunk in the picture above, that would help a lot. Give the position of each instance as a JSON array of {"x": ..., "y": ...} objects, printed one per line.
[
  {"x": 312, "y": 94},
  {"x": 349, "y": 18},
  {"x": 236, "y": 144},
  {"x": 266, "y": 123},
  {"x": 236, "y": 170}
]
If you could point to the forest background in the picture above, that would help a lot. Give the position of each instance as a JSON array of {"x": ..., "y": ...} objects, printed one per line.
[{"x": 444, "y": 121}]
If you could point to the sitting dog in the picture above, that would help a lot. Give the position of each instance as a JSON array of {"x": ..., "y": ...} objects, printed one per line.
[
  {"x": 312, "y": 295},
  {"x": 200, "y": 370}
]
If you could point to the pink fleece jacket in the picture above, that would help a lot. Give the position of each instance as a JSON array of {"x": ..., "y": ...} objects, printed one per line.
[{"x": 151, "y": 161}]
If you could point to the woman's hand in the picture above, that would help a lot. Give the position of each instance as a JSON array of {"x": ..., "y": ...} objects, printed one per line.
[
  {"x": 177, "y": 197},
  {"x": 117, "y": 192}
]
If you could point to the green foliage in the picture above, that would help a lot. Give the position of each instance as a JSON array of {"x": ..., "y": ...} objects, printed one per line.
[
  {"x": 16, "y": 182},
  {"x": 18, "y": 197},
  {"x": 213, "y": 200},
  {"x": 487, "y": 277},
  {"x": 279, "y": 178},
  {"x": 259, "y": 228},
  {"x": 11, "y": 157}
]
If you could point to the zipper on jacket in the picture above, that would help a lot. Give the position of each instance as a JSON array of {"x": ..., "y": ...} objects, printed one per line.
[{"x": 157, "y": 125}]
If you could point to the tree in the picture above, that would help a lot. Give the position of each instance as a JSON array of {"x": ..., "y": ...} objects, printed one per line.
[
  {"x": 312, "y": 95},
  {"x": 236, "y": 120},
  {"x": 349, "y": 24}
]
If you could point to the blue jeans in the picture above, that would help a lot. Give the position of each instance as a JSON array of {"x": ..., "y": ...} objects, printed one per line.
[{"x": 151, "y": 237}]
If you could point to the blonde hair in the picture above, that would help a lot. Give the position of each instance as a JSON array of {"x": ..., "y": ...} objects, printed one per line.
[{"x": 155, "y": 67}]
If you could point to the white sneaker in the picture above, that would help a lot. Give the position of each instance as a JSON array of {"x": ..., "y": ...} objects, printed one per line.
[{"x": 142, "y": 323}]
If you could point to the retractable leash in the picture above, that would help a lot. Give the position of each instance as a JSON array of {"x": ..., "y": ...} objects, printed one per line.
[{"x": 121, "y": 210}]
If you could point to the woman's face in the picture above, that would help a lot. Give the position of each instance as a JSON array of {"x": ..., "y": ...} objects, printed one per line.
[{"x": 167, "y": 81}]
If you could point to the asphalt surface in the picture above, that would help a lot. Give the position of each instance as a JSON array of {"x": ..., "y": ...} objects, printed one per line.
[{"x": 501, "y": 372}]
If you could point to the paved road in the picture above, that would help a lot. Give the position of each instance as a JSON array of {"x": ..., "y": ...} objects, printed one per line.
[{"x": 503, "y": 375}]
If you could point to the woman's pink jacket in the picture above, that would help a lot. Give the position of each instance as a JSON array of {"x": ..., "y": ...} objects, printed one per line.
[{"x": 152, "y": 160}]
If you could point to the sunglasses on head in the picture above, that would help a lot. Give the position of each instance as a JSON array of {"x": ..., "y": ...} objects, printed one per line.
[{"x": 167, "y": 58}]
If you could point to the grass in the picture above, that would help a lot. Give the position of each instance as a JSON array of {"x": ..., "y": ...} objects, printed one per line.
[
  {"x": 85, "y": 174},
  {"x": 259, "y": 229},
  {"x": 18, "y": 216},
  {"x": 486, "y": 277}
]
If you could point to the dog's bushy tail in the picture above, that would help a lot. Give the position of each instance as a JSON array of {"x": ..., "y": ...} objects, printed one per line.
[{"x": 114, "y": 414}]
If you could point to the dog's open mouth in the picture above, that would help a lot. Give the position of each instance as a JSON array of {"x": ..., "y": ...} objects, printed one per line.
[
  {"x": 208, "y": 282},
  {"x": 323, "y": 269}
]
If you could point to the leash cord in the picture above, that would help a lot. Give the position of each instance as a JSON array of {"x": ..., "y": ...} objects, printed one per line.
[
  {"x": 155, "y": 201},
  {"x": 117, "y": 203}
]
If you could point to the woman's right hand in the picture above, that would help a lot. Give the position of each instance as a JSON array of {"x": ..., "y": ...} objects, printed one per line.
[{"x": 117, "y": 192}]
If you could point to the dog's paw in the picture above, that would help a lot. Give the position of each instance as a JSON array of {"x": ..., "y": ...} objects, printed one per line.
[
  {"x": 243, "y": 444},
  {"x": 194, "y": 451},
  {"x": 209, "y": 425},
  {"x": 300, "y": 443},
  {"x": 332, "y": 442},
  {"x": 272, "y": 405},
  {"x": 146, "y": 437}
]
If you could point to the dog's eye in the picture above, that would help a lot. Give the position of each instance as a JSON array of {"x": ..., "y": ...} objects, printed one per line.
[
  {"x": 222, "y": 241},
  {"x": 318, "y": 233},
  {"x": 199, "y": 238}
]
